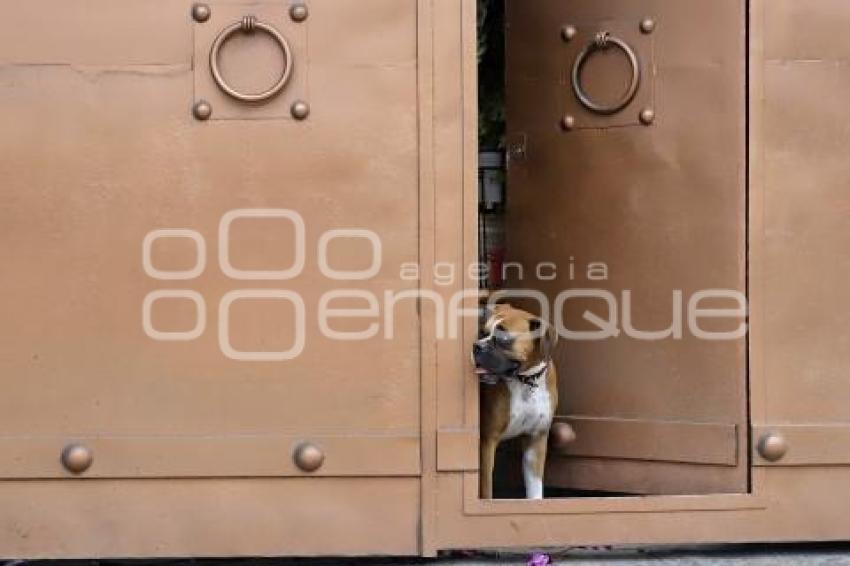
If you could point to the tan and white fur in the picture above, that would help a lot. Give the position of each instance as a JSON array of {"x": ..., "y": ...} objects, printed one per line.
[{"x": 519, "y": 393}]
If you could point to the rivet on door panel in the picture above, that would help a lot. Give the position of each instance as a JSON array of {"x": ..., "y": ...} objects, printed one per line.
[
  {"x": 773, "y": 447},
  {"x": 298, "y": 13},
  {"x": 202, "y": 110},
  {"x": 201, "y": 12},
  {"x": 647, "y": 25},
  {"x": 308, "y": 457},
  {"x": 77, "y": 458},
  {"x": 568, "y": 33},
  {"x": 300, "y": 110}
]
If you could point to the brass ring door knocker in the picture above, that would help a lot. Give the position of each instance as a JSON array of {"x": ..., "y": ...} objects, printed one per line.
[
  {"x": 249, "y": 24},
  {"x": 604, "y": 40}
]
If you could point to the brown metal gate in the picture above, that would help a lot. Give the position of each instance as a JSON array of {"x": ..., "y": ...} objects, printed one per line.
[
  {"x": 116, "y": 197},
  {"x": 637, "y": 195},
  {"x": 166, "y": 249}
]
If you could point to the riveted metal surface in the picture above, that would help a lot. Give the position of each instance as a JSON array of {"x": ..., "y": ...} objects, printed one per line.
[
  {"x": 603, "y": 41},
  {"x": 663, "y": 209},
  {"x": 220, "y": 456},
  {"x": 248, "y": 26},
  {"x": 541, "y": 59},
  {"x": 73, "y": 110},
  {"x": 251, "y": 63},
  {"x": 179, "y": 173},
  {"x": 127, "y": 329},
  {"x": 797, "y": 386}
]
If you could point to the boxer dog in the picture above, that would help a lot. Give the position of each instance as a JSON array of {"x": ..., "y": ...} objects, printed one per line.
[{"x": 519, "y": 393}]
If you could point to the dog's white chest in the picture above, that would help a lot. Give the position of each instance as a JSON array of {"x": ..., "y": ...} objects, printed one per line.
[{"x": 531, "y": 408}]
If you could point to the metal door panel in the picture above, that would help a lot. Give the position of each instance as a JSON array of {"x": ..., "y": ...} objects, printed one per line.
[
  {"x": 664, "y": 207},
  {"x": 96, "y": 158},
  {"x": 800, "y": 31},
  {"x": 802, "y": 232},
  {"x": 209, "y": 518},
  {"x": 219, "y": 456},
  {"x": 77, "y": 32},
  {"x": 666, "y": 441}
]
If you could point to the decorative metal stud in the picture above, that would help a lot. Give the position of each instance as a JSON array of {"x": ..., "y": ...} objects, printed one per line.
[
  {"x": 202, "y": 110},
  {"x": 300, "y": 110},
  {"x": 561, "y": 435},
  {"x": 568, "y": 33},
  {"x": 773, "y": 447},
  {"x": 568, "y": 123},
  {"x": 647, "y": 25},
  {"x": 77, "y": 458},
  {"x": 308, "y": 457},
  {"x": 647, "y": 116},
  {"x": 201, "y": 12},
  {"x": 298, "y": 12}
]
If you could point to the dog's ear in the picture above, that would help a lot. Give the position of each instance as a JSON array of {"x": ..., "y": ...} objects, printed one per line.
[{"x": 546, "y": 334}]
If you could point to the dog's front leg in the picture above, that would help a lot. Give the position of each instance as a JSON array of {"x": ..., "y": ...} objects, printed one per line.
[
  {"x": 487, "y": 461},
  {"x": 533, "y": 465}
]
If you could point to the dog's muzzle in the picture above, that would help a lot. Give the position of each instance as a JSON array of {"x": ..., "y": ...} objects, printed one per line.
[{"x": 490, "y": 360}]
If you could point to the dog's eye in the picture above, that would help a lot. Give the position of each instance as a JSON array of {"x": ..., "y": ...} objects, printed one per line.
[{"x": 502, "y": 337}]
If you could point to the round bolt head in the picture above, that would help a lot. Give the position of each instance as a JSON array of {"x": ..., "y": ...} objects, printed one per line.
[
  {"x": 77, "y": 458},
  {"x": 647, "y": 25},
  {"x": 773, "y": 447},
  {"x": 201, "y": 12},
  {"x": 298, "y": 12},
  {"x": 300, "y": 110},
  {"x": 568, "y": 33},
  {"x": 308, "y": 457},
  {"x": 568, "y": 123},
  {"x": 202, "y": 110},
  {"x": 561, "y": 434},
  {"x": 647, "y": 116}
]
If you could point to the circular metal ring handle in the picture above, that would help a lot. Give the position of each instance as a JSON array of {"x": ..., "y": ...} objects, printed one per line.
[
  {"x": 249, "y": 24},
  {"x": 601, "y": 42}
]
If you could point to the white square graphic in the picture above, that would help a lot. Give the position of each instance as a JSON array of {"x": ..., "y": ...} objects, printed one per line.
[
  {"x": 262, "y": 275},
  {"x": 200, "y": 261},
  {"x": 253, "y": 294},
  {"x": 184, "y": 336}
]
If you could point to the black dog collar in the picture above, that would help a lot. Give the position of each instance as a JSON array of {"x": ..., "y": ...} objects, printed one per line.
[{"x": 529, "y": 379}]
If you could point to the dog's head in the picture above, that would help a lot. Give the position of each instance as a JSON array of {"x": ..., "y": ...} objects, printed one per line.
[{"x": 511, "y": 340}]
